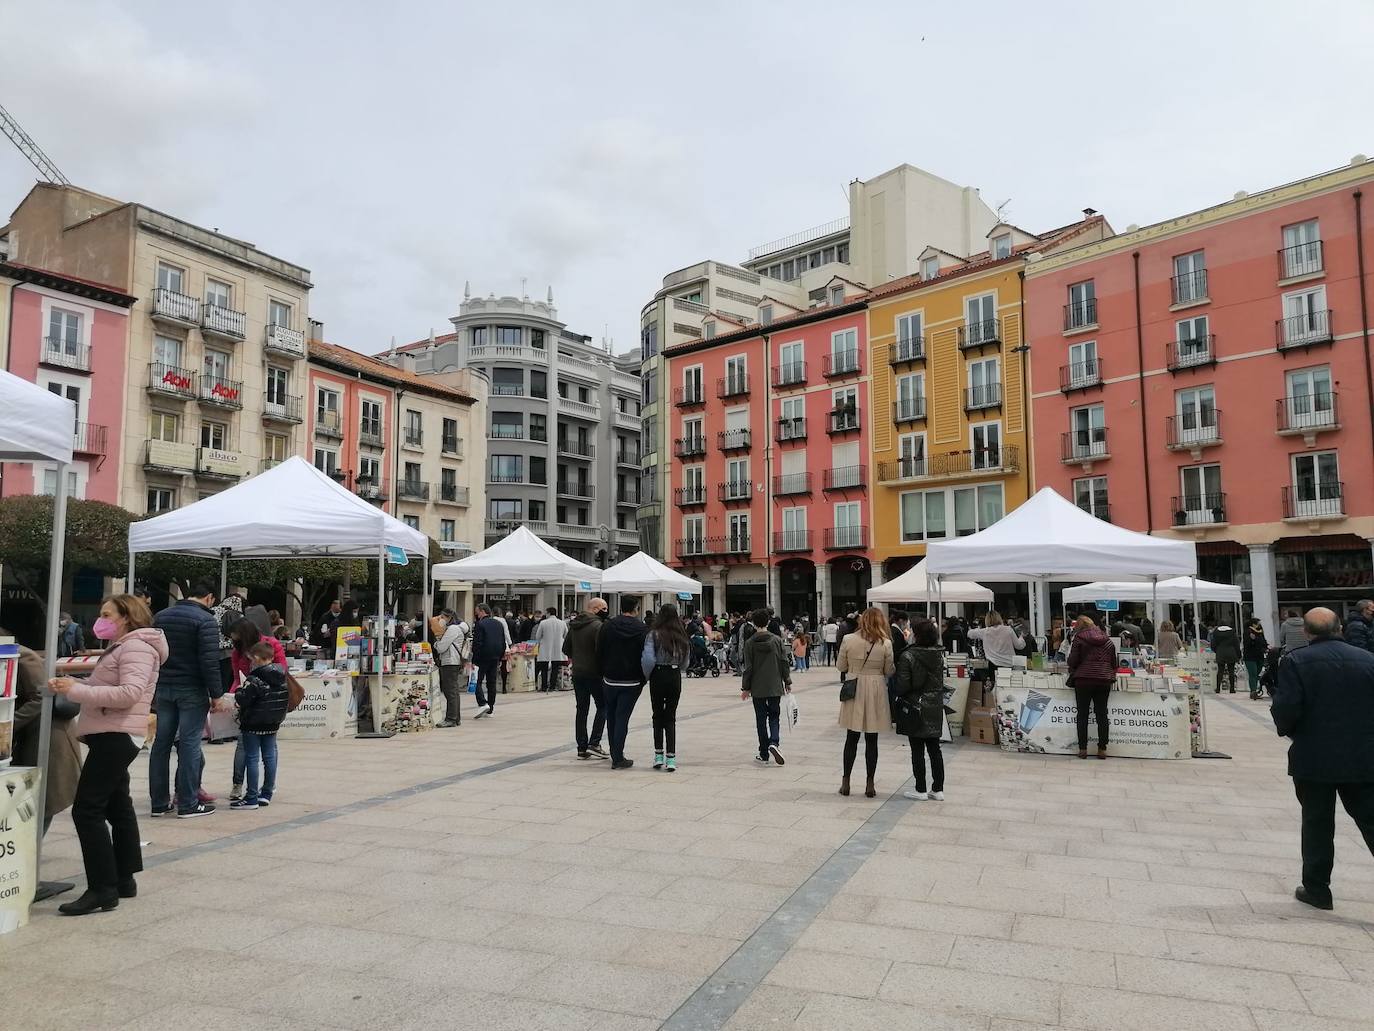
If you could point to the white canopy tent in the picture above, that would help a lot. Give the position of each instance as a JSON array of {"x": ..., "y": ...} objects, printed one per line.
[
  {"x": 521, "y": 557},
  {"x": 1179, "y": 589},
  {"x": 916, "y": 584},
  {"x": 643, "y": 574},
  {"x": 40, "y": 426}
]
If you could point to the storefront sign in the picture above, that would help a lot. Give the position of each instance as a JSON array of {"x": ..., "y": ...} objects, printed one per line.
[
  {"x": 18, "y": 845},
  {"x": 1107, "y": 605},
  {"x": 170, "y": 454},
  {"x": 226, "y": 463},
  {"x": 1144, "y": 725}
]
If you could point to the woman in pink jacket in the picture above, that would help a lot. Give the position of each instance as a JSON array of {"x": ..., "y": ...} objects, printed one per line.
[{"x": 114, "y": 700}]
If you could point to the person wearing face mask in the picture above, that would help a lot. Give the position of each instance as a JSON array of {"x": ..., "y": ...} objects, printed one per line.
[
  {"x": 114, "y": 700},
  {"x": 579, "y": 645},
  {"x": 453, "y": 652}
]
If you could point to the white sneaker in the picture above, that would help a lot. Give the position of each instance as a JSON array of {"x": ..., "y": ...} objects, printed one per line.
[
  {"x": 915, "y": 796},
  {"x": 491, "y": 711},
  {"x": 481, "y": 713},
  {"x": 937, "y": 796}
]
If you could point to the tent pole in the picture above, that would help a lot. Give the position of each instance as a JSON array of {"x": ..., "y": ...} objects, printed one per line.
[
  {"x": 129, "y": 583},
  {"x": 223, "y": 572},
  {"x": 427, "y": 608}
]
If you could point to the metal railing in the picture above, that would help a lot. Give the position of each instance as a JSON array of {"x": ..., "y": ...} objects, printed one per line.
[
  {"x": 508, "y": 390},
  {"x": 370, "y": 432},
  {"x": 217, "y": 390},
  {"x": 1101, "y": 509},
  {"x": 840, "y": 538},
  {"x": 576, "y": 448},
  {"x": 369, "y": 488},
  {"x": 1321, "y": 500},
  {"x": 413, "y": 490},
  {"x": 223, "y": 322},
  {"x": 906, "y": 350},
  {"x": 686, "y": 497},
  {"x": 841, "y": 363},
  {"x": 730, "y": 544},
  {"x": 576, "y": 489},
  {"x": 1191, "y": 352},
  {"x": 792, "y": 540},
  {"x": 1189, "y": 287},
  {"x": 791, "y": 429},
  {"x": 453, "y": 494},
  {"x": 1004, "y": 459},
  {"x": 172, "y": 305},
  {"x": 1080, "y": 375},
  {"x": 847, "y": 477},
  {"x": 735, "y": 490},
  {"x": 1080, "y": 314},
  {"x": 629, "y": 458},
  {"x": 789, "y": 374},
  {"x": 168, "y": 379},
  {"x": 735, "y": 385},
  {"x": 284, "y": 409},
  {"x": 1303, "y": 330},
  {"x": 1193, "y": 429},
  {"x": 1307, "y": 412},
  {"x": 507, "y": 477},
  {"x": 977, "y": 334},
  {"x": 987, "y": 395},
  {"x": 506, "y": 431},
  {"x": 450, "y": 445},
  {"x": 733, "y": 440},
  {"x": 65, "y": 354},
  {"x": 1194, "y": 509},
  {"x": 627, "y": 497},
  {"x": 327, "y": 423},
  {"x": 909, "y": 409},
  {"x": 683, "y": 397},
  {"x": 1084, "y": 445},
  {"x": 797, "y": 239},
  {"x": 1302, "y": 259},
  {"x": 414, "y": 438},
  {"x": 791, "y": 483},
  {"x": 844, "y": 420},
  {"x": 688, "y": 547},
  {"x": 89, "y": 438},
  {"x": 689, "y": 447}
]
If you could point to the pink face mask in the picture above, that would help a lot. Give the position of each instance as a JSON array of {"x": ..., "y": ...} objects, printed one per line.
[{"x": 105, "y": 629}]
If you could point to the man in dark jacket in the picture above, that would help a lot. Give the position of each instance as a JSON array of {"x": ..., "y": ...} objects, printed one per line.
[
  {"x": 1225, "y": 645},
  {"x": 579, "y": 645},
  {"x": 188, "y": 684},
  {"x": 1324, "y": 698},
  {"x": 490, "y": 642},
  {"x": 1359, "y": 629},
  {"x": 329, "y": 625},
  {"x": 618, "y": 651},
  {"x": 767, "y": 677}
]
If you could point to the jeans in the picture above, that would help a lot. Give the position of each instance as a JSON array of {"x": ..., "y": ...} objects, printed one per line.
[
  {"x": 261, "y": 747},
  {"x": 548, "y": 674},
  {"x": 179, "y": 720},
  {"x": 1252, "y": 675},
  {"x": 1318, "y": 801},
  {"x": 768, "y": 722},
  {"x": 620, "y": 703},
  {"x": 486, "y": 674},
  {"x": 240, "y": 762},
  {"x": 103, "y": 806},
  {"x": 918, "y": 762},
  {"x": 1226, "y": 670},
  {"x": 1096, "y": 696},
  {"x": 799, "y": 662},
  {"x": 665, "y": 691},
  {"x": 588, "y": 690},
  {"x": 452, "y": 684}
]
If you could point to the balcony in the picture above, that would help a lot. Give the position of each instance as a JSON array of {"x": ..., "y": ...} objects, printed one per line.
[
  {"x": 506, "y": 476},
  {"x": 907, "y": 351},
  {"x": 225, "y": 323},
  {"x": 327, "y": 424},
  {"x": 1080, "y": 375},
  {"x": 369, "y": 488},
  {"x": 791, "y": 430},
  {"x": 370, "y": 433},
  {"x": 179, "y": 309},
  {"x": 65, "y": 354},
  {"x": 686, "y": 397},
  {"x": 89, "y": 439},
  {"x": 988, "y": 395},
  {"x": 1199, "y": 510},
  {"x": 735, "y": 385},
  {"x": 169, "y": 381},
  {"x": 1192, "y": 353},
  {"x": 576, "y": 489},
  {"x": 1303, "y": 330},
  {"x": 792, "y": 540},
  {"x": 732, "y": 440},
  {"x": 841, "y": 363},
  {"x": 284, "y": 409},
  {"x": 689, "y": 447},
  {"x": 952, "y": 465},
  {"x": 844, "y": 538},
  {"x": 497, "y": 528},
  {"x": 219, "y": 464},
  {"x": 629, "y": 458},
  {"x": 580, "y": 449},
  {"x": 576, "y": 531},
  {"x": 1301, "y": 260},
  {"x": 1080, "y": 315},
  {"x": 452, "y": 494},
  {"x": 843, "y": 420},
  {"x": 284, "y": 342},
  {"x": 628, "y": 497},
  {"x": 508, "y": 390},
  {"x": 1307, "y": 415},
  {"x": 909, "y": 409},
  {"x": 848, "y": 477},
  {"x": 689, "y": 547},
  {"x": 506, "y": 431},
  {"x": 626, "y": 420},
  {"x": 978, "y": 335},
  {"x": 730, "y": 544},
  {"x": 169, "y": 456},
  {"x": 480, "y": 353},
  {"x": 412, "y": 490},
  {"x": 413, "y": 439},
  {"x": 1193, "y": 431},
  {"x": 735, "y": 491},
  {"x": 689, "y": 497},
  {"x": 789, "y": 484},
  {"x": 1084, "y": 446},
  {"x": 225, "y": 393},
  {"x": 1189, "y": 288},
  {"x": 1101, "y": 509},
  {"x": 579, "y": 409},
  {"x": 1314, "y": 502},
  {"x": 789, "y": 374},
  {"x": 451, "y": 446}
]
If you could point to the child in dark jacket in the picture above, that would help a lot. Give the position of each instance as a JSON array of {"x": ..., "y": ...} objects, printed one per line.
[{"x": 262, "y": 704}]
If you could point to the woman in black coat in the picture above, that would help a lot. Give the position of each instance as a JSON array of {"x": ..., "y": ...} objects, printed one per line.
[{"x": 919, "y": 710}]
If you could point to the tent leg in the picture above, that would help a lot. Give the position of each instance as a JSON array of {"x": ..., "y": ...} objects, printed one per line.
[
  {"x": 1206, "y": 752},
  {"x": 375, "y": 687},
  {"x": 223, "y": 573},
  {"x": 427, "y": 607}
]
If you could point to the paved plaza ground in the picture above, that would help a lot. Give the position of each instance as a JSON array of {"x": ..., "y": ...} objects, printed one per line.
[{"x": 484, "y": 878}]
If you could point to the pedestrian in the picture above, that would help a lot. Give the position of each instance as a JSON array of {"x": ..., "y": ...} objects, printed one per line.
[
  {"x": 261, "y": 704},
  {"x": 1324, "y": 697},
  {"x": 227, "y": 613},
  {"x": 1092, "y": 673},
  {"x": 524, "y": 628},
  {"x": 919, "y": 712},
  {"x": 828, "y": 634},
  {"x": 662, "y": 660},
  {"x": 866, "y": 655},
  {"x": 801, "y": 644},
  {"x": 579, "y": 645},
  {"x": 72, "y": 638},
  {"x": 490, "y": 645},
  {"x": 64, "y": 752},
  {"x": 1169, "y": 644},
  {"x": 844, "y": 629},
  {"x": 1226, "y": 647},
  {"x": 329, "y": 626},
  {"x": 618, "y": 652},
  {"x": 453, "y": 652},
  {"x": 1254, "y": 649},
  {"x": 243, "y": 635},
  {"x": 1147, "y": 630},
  {"x": 115, "y": 700},
  {"x": 955, "y": 636},
  {"x": 766, "y": 679},
  {"x": 548, "y": 635},
  {"x": 1291, "y": 631},
  {"x": 1359, "y": 628},
  {"x": 190, "y": 684},
  {"x": 999, "y": 643}
]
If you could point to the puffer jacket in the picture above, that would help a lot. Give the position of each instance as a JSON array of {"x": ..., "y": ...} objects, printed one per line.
[
  {"x": 920, "y": 690},
  {"x": 1359, "y": 632},
  {"x": 262, "y": 700},
  {"x": 1092, "y": 659},
  {"x": 118, "y": 694},
  {"x": 579, "y": 644},
  {"x": 192, "y": 666},
  {"x": 242, "y": 663}
]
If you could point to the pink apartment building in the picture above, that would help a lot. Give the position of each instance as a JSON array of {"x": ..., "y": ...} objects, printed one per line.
[{"x": 1209, "y": 378}]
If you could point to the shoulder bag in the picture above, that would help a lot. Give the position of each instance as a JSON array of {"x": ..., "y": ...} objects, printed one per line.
[
  {"x": 295, "y": 693},
  {"x": 850, "y": 685}
]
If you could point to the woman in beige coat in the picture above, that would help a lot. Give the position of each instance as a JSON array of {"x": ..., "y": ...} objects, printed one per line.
[{"x": 866, "y": 655}]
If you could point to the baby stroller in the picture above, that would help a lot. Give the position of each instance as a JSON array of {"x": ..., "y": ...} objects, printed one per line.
[
  {"x": 702, "y": 661},
  {"x": 718, "y": 655}
]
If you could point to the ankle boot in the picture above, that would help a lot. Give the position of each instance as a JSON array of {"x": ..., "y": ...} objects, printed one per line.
[
  {"x": 1082, "y": 753},
  {"x": 128, "y": 888},
  {"x": 89, "y": 902},
  {"x": 1102, "y": 753},
  {"x": 844, "y": 784},
  {"x": 869, "y": 790}
]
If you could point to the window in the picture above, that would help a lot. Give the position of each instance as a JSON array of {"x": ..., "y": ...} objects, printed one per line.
[
  {"x": 991, "y": 506},
  {"x": 981, "y": 315},
  {"x": 984, "y": 383},
  {"x": 837, "y": 295},
  {"x": 791, "y": 363},
  {"x": 215, "y": 368},
  {"x": 691, "y": 430},
  {"x": 793, "y": 417},
  {"x": 584, "y": 395},
  {"x": 537, "y": 512},
  {"x": 1202, "y": 498},
  {"x": 708, "y": 329},
  {"x": 694, "y": 482},
  {"x": 218, "y": 294},
  {"x": 509, "y": 335},
  {"x": 1302, "y": 249},
  {"x": 737, "y": 482},
  {"x": 275, "y": 447},
  {"x": 64, "y": 333},
  {"x": 326, "y": 460},
  {"x": 923, "y": 515},
  {"x": 371, "y": 424},
  {"x": 965, "y": 511},
  {"x": 449, "y": 435},
  {"x": 446, "y": 528},
  {"x": 539, "y": 427},
  {"x": 794, "y": 529},
  {"x": 1310, "y": 402},
  {"x": 539, "y": 466},
  {"x": 161, "y": 499},
  {"x": 691, "y": 383},
  {"x": 448, "y": 484},
  {"x": 765, "y": 314},
  {"x": 508, "y": 382},
  {"x": 911, "y": 402},
  {"x": 164, "y": 426},
  {"x": 169, "y": 277},
  {"x": 1190, "y": 278},
  {"x": 911, "y": 454},
  {"x": 479, "y": 336},
  {"x": 1316, "y": 485},
  {"x": 1090, "y": 494},
  {"x": 503, "y": 508},
  {"x": 693, "y": 532},
  {"x": 278, "y": 313},
  {"x": 736, "y": 375},
  {"x": 1001, "y": 246},
  {"x": 505, "y": 469},
  {"x": 539, "y": 384},
  {"x": 1197, "y": 415},
  {"x": 50, "y": 482},
  {"x": 412, "y": 474},
  {"x": 845, "y": 414},
  {"x": 1082, "y": 305},
  {"x": 648, "y": 386},
  {"x": 930, "y": 268},
  {"x": 844, "y": 351},
  {"x": 214, "y": 435},
  {"x": 849, "y": 528},
  {"x": 1083, "y": 370},
  {"x": 1305, "y": 317},
  {"x": 413, "y": 521},
  {"x": 910, "y": 341},
  {"x": 985, "y": 439},
  {"x": 1088, "y": 432},
  {"x": 415, "y": 432},
  {"x": 537, "y": 339},
  {"x": 738, "y": 532},
  {"x": 507, "y": 424},
  {"x": 327, "y": 406},
  {"x": 369, "y": 471},
  {"x": 167, "y": 352},
  {"x": 1194, "y": 343},
  {"x": 278, "y": 385}
]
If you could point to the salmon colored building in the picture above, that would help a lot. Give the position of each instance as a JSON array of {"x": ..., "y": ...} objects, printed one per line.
[
  {"x": 1209, "y": 378},
  {"x": 769, "y": 475}
]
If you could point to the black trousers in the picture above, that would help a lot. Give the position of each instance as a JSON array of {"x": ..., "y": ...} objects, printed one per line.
[
  {"x": 452, "y": 684},
  {"x": 486, "y": 675},
  {"x": 588, "y": 690},
  {"x": 851, "y": 752},
  {"x": 1318, "y": 801},
  {"x": 1226, "y": 670},
  {"x": 548, "y": 673},
  {"x": 1096, "y": 696},
  {"x": 665, "y": 691},
  {"x": 931, "y": 746},
  {"x": 103, "y": 813},
  {"x": 620, "y": 703}
]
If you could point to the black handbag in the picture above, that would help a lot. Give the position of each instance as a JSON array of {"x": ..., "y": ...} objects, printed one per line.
[
  {"x": 63, "y": 708},
  {"x": 850, "y": 685}
]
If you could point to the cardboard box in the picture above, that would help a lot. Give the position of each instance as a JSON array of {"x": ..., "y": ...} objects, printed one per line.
[{"x": 980, "y": 725}]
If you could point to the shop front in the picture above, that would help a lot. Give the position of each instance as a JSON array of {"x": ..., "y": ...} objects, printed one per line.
[
  {"x": 850, "y": 578},
  {"x": 797, "y": 589}
]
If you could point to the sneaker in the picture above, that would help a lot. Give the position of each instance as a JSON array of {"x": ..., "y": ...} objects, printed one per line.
[
  {"x": 236, "y": 793},
  {"x": 916, "y": 796},
  {"x": 658, "y": 760},
  {"x": 584, "y": 755},
  {"x": 169, "y": 810},
  {"x": 597, "y": 752},
  {"x": 776, "y": 753},
  {"x": 937, "y": 796},
  {"x": 491, "y": 711},
  {"x": 244, "y": 803},
  {"x": 201, "y": 809},
  {"x": 263, "y": 802},
  {"x": 670, "y": 764},
  {"x": 482, "y": 711},
  {"x": 624, "y": 764},
  {"x": 762, "y": 758}
]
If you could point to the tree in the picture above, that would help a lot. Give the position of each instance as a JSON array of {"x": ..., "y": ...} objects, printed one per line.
[{"x": 97, "y": 538}]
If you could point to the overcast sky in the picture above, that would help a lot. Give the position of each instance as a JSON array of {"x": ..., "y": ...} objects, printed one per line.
[{"x": 400, "y": 149}]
